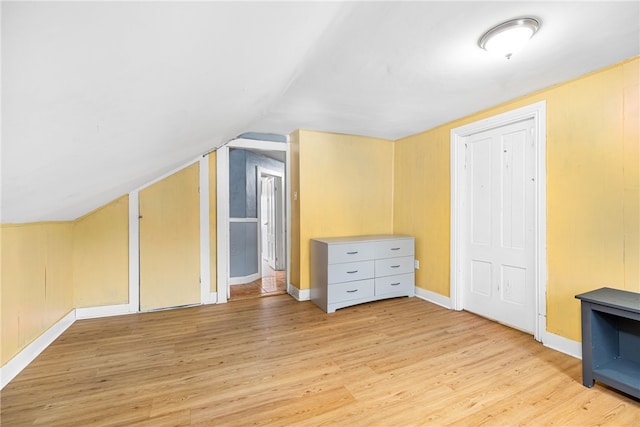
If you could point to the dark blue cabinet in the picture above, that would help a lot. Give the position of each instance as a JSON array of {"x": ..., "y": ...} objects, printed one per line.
[{"x": 611, "y": 339}]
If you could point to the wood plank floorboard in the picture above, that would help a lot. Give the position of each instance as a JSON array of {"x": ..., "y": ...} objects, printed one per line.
[{"x": 278, "y": 362}]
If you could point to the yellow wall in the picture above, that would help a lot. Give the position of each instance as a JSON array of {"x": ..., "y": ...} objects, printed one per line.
[
  {"x": 101, "y": 256},
  {"x": 592, "y": 191},
  {"x": 631, "y": 151},
  {"x": 421, "y": 203},
  {"x": 294, "y": 168},
  {"x": 345, "y": 188},
  {"x": 36, "y": 285}
]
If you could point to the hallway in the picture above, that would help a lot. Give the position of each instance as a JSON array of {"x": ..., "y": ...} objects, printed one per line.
[{"x": 272, "y": 283}]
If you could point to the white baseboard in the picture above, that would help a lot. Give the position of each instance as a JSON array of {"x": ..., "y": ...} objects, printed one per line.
[
  {"x": 211, "y": 298},
  {"x": 562, "y": 344},
  {"x": 299, "y": 294},
  {"x": 21, "y": 360},
  {"x": 244, "y": 279},
  {"x": 553, "y": 341},
  {"x": 102, "y": 311},
  {"x": 433, "y": 297}
]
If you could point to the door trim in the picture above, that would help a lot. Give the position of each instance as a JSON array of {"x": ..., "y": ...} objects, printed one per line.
[
  {"x": 537, "y": 112},
  {"x": 222, "y": 172},
  {"x": 206, "y": 296}
]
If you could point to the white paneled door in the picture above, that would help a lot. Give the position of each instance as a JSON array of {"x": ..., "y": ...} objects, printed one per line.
[
  {"x": 272, "y": 218},
  {"x": 269, "y": 194},
  {"x": 500, "y": 223}
]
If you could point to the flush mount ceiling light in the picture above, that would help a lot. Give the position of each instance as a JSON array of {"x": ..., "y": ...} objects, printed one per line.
[{"x": 509, "y": 37}]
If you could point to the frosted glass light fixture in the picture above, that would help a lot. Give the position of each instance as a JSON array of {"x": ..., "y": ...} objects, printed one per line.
[{"x": 509, "y": 37}]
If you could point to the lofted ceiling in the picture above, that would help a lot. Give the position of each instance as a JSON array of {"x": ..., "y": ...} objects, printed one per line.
[{"x": 99, "y": 98}]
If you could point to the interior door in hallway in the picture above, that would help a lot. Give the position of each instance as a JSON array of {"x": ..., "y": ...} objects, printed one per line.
[
  {"x": 500, "y": 220},
  {"x": 170, "y": 242}
]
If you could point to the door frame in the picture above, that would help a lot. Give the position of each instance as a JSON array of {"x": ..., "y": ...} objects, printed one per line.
[
  {"x": 537, "y": 112},
  {"x": 222, "y": 172}
]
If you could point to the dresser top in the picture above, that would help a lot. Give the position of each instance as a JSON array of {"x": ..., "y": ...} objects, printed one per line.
[
  {"x": 617, "y": 298},
  {"x": 368, "y": 238}
]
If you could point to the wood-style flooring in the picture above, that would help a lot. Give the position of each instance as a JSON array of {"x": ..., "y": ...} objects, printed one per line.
[
  {"x": 278, "y": 362},
  {"x": 271, "y": 283}
]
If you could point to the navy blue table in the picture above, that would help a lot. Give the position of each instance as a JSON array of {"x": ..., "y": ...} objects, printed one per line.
[{"x": 611, "y": 339}]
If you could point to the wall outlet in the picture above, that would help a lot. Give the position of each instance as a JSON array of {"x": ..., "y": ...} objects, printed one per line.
[{"x": 416, "y": 264}]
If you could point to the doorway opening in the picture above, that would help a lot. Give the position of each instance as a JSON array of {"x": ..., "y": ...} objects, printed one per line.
[
  {"x": 271, "y": 235},
  {"x": 252, "y": 219}
]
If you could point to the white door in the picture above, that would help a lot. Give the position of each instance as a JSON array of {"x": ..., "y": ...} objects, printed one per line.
[
  {"x": 499, "y": 223},
  {"x": 279, "y": 219},
  {"x": 264, "y": 221},
  {"x": 271, "y": 223}
]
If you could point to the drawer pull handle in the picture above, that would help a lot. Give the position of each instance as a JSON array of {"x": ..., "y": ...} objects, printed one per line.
[
  {"x": 352, "y": 291},
  {"x": 395, "y": 284},
  {"x": 395, "y": 266},
  {"x": 351, "y": 272},
  {"x": 352, "y": 253},
  {"x": 395, "y": 249}
]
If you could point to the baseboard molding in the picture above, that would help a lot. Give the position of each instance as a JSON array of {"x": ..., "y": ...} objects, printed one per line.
[
  {"x": 433, "y": 297},
  {"x": 211, "y": 298},
  {"x": 244, "y": 279},
  {"x": 102, "y": 311},
  {"x": 21, "y": 360},
  {"x": 299, "y": 294},
  {"x": 562, "y": 344},
  {"x": 553, "y": 341}
]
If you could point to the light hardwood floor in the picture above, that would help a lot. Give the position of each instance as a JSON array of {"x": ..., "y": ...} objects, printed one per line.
[
  {"x": 271, "y": 283},
  {"x": 275, "y": 361}
]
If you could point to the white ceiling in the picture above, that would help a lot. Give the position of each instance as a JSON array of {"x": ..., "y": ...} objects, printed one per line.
[{"x": 99, "y": 98}]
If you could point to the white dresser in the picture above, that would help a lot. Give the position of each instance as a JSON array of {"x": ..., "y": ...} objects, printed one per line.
[{"x": 352, "y": 270}]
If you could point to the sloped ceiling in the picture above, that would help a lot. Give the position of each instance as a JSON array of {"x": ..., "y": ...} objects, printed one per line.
[{"x": 99, "y": 98}]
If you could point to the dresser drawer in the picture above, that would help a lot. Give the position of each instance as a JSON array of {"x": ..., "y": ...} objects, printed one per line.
[
  {"x": 392, "y": 266},
  {"x": 350, "y": 291},
  {"x": 394, "y": 248},
  {"x": 350, "y": 271},
  {"x": 349, "y": 252},
  {"x": 403, "y": 283}
]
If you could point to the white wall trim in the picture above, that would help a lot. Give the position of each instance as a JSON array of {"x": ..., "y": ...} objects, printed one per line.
[
  {"x": 433, "y": 297},
  {"x": 299, "y": 294},
  {"x": 210, "y": 298},
  {"x": 287, "y": 208},
  {"x": 134, "y": 252},
  {"x": 102, "y": 311},
  {"x": 205, "y": 254},
  {"x": 243, "y": 280},
  {"x": 538, "y": 113},
  {"x": 562, "y": 344},
  {"x": 21, "y": 360},
  {"x": 222, "y": 234}
]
